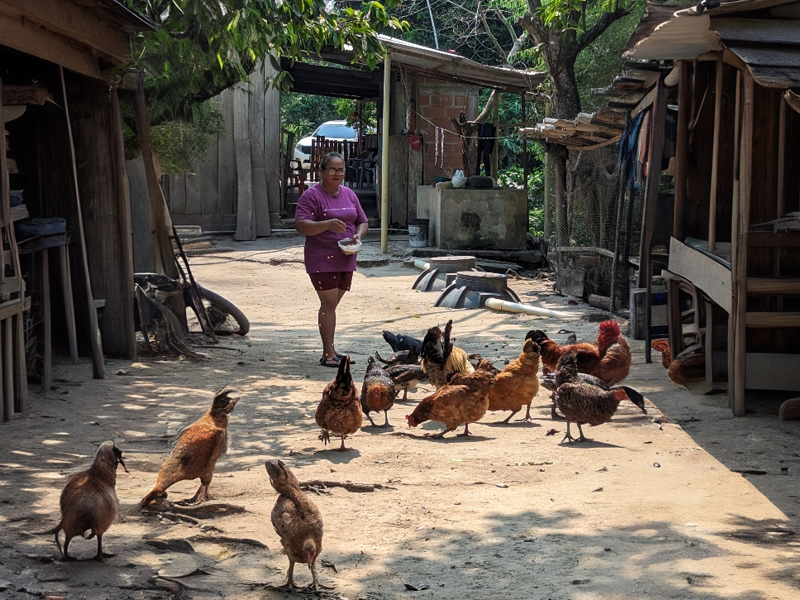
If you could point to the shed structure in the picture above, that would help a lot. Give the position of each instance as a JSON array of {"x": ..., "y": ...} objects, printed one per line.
[
  {"x": 735, "y": 244},
  {"x": 65, "y": 150}
]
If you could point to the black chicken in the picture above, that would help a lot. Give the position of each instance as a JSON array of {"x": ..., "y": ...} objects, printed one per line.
[
  {"x": 401, "y": 341},
  {"x": 406, "y": 377}
]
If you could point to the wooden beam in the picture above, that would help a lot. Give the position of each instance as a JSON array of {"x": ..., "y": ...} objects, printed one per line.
[
  {"x": 766, "y": 320},
  {"x": 768, "y": 239},
  {"x": 681, "y": 149},
  {"x": 26, "y": 94},
  {"x": 712, "y": 205},
  {"x": 25, "y": 36},
  {"x": 656, "y": 152},
  {"x": 738, "y": 317},
  {"x": 773, "y": 285},
  {"x": 84, "y": 26}
]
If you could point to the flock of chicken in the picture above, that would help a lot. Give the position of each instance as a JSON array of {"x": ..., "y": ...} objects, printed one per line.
[{"x": 583, "y": 379}]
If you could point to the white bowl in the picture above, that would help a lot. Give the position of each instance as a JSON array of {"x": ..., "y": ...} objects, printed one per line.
[{"x": 351, "y": 248}]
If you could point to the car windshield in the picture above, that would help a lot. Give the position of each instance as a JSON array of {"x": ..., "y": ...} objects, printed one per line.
[{"x": 335, "y": 131}]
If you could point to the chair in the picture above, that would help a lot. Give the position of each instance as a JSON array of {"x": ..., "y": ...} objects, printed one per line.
[{"x": 359, "y": 169}]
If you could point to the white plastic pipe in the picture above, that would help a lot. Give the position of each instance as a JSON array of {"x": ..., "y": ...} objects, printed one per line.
[
  {"x": 421, "y": 264},
  {"x": 526, "y": 309}
]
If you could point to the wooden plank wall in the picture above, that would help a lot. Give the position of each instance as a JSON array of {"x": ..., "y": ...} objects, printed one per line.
[{"x": 211, "y": 197}]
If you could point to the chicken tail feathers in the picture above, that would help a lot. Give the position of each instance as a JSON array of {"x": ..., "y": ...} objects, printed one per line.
[
  {"x": 343, "y": 378},
  {"x": 390, "y": 338}
]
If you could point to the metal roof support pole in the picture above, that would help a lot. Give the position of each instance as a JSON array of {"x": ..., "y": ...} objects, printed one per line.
[{"x": 387, "y": 94}]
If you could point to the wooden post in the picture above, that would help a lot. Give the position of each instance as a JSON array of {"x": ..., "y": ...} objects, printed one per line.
[
  {"x": 547, "y": 185},
  {"x": 387, "y": 97},
  {"x": 738, "y": 318},
  {"x": 160, "y": 222},
  {"x": 495, "y": 144},
  {"x": 618, "y": 233},
  {"x": 656, "y": 152},
  {"x": 781, "y": 200},
  {"x": 681, "y": 149},
  {"x": 708, "y": 344},
  {"x": 734, "y": 234},
  {"x": 674, "y": 329},
  {"x": 22, "y": 371},
  {"x": 69, "y": 305},
  {"x": 712, "y": 205},
  {"x": 8, "y": 362},
  {"x": 98, "y": 370},
  {"x": 47, "y": 370},
  {"x": 122, "y": 193}
]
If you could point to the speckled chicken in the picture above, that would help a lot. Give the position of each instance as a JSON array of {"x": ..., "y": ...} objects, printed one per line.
[
  {"x": 196, "y": 452},
  {"x": 440, "y": 358},
  {"x": 297, "y": 522},
  {"x": 517, "y": 384},
  {"x": 581, "y": 403},
  {"x": 406, "y": 377},
  {"x": 339, "y": 410},
  {"x": 377, "y": 392},
  {"x": 567, "y": 372},
  {"x": 462, "y": 401},
  {"x": 89, "y": 502}
]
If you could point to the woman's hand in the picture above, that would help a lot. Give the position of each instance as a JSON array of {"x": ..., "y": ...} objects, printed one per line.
[{"x": 336, "y": 225}]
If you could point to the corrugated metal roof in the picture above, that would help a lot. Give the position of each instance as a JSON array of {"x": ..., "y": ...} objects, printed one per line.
[{"x": 454, "y": 67}]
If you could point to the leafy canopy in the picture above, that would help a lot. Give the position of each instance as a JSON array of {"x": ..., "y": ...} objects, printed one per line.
[{"x": 202, "y": 47}]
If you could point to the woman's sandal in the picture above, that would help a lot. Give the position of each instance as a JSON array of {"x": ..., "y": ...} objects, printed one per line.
[{"x": 330, "y": 361}]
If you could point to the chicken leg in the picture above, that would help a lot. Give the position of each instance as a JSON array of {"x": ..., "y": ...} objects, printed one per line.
[
  {"x": 511, "y": 415},
  {"x": 441, "y": 433},
  {"x": 386, "y": 419},
  {"x": 466, "y": 431},
  {"x": 290, "y": 585},
  {"x": 342, "y": 447},
  {"x": 528, "y": 416},
  {"x": 201, "y": 495}
]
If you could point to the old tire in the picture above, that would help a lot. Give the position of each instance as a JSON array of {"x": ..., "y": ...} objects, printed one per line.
[{"x": 225, "y": 305}]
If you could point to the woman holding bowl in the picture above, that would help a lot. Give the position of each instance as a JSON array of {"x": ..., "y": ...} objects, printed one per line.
[{"x": 327, "y": 214}]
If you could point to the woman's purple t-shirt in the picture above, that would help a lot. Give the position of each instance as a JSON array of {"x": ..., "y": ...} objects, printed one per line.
[{"x": 322, "y": 253}]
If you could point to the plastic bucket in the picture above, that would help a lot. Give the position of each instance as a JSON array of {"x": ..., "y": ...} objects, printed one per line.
[{"x": 418, "y": 232}]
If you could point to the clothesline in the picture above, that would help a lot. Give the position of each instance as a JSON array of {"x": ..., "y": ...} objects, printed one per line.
[{"x": 424, "y": 118}]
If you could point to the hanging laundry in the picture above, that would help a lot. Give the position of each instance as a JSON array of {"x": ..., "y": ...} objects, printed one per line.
[{"x": 486, "y": 135}]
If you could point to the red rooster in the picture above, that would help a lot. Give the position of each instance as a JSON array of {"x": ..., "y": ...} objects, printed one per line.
[{"x": 609, "y": 359}]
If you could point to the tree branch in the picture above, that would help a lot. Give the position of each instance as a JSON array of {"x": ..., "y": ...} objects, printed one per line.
[
  {"x": 534, "y": 27},
  {"x": 519, "y": 44},
  {"x": 603, "y": 23},
  {"x": 482, "y": 15},
  {"x": 494, "y": 97}
]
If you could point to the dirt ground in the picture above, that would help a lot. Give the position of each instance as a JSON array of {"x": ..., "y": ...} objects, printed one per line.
[{"x": 684, "y": 502}]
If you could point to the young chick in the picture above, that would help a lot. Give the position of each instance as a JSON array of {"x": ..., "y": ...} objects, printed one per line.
[
  {"x": 517, "y": 384},
  {"x": 296, "y": 520},
  {"x": 583, "y": 403},
  {"x": 462, "y": 401},
  {"x": 377, "y": 392},
  {"x": 339, "y": 411},
  {"x": 89, "y": 502},
  {"x": 197, "y": 450}
]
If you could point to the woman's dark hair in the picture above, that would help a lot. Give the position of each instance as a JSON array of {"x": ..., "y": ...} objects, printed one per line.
[{"x": 323, "y": 164}]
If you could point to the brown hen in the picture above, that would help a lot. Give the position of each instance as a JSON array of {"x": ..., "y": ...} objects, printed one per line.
[
  {"x": 377, "y": 392},
  {"x": 517, "y": 384},
  {"x": 89, "y": 502},
  {"x": 196, "y": 452},
  {"x": 462, "y": 401},
  {"x": 339, "y": 411},
  {"x": 296, "y": 520}
]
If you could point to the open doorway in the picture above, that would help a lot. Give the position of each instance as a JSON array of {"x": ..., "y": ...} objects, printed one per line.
[{"x": 313, "y": 125}]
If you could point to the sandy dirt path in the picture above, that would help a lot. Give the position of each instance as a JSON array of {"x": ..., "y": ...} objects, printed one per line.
[{"x": 653, "y": 507}]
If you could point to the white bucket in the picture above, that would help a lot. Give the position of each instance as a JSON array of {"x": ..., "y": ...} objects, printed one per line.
[{"x": 418, "y": 232}]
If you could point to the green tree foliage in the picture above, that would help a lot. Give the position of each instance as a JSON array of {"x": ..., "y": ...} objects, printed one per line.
[{"x": 202, "y": 47}]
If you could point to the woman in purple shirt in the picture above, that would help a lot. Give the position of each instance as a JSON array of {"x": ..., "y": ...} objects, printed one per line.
[{"x": 327, "y": 213}]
